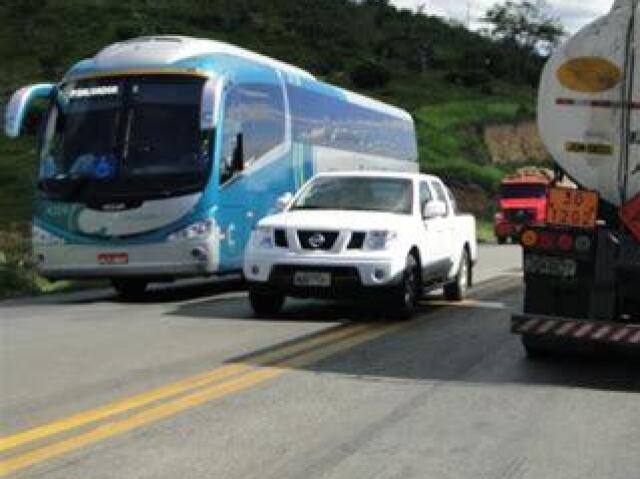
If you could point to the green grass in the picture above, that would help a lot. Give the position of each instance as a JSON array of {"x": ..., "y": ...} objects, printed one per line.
[
  {"x": 484, "y": 232},
  {"x": 452, "y": 143}
]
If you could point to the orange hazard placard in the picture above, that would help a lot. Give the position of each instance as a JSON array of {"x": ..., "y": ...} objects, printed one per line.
[
  {"x": 569, "y": 207},
  {"x": 630, "y": 215}
]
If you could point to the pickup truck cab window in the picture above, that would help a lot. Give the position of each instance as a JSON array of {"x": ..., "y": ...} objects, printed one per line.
[
  {"x": 440, "y": 194},
  {"x": 425, "y": 193}
]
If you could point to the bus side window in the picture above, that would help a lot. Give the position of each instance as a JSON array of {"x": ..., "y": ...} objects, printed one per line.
[{"x": 254, "y": 116}]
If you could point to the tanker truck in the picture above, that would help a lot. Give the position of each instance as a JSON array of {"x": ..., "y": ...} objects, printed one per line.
[{"x": 582, "y": 265}]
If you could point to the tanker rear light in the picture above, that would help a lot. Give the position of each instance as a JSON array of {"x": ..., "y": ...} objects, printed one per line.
[
  {"x": 556, "y": 241},
  {"x": 529, "y": 238}
]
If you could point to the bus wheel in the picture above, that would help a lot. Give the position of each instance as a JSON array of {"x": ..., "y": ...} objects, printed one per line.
[
  {"x": 130, "y": 288},
  {"x": 264, "y": 302}
]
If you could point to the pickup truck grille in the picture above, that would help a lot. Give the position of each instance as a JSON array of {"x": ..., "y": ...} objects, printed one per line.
[
  {"x": 520, "y": 216},
  {"x": 317, "y": 240},
  {"x": 280, "y": 237},
  {"x": 357, "y": 240}
]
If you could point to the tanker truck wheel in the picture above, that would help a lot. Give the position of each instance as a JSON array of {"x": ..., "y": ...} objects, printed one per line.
[{"x": 536, "y": 348}]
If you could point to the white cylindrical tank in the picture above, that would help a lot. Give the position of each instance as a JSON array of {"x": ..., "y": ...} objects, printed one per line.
[{"x": 589, "y": 105}]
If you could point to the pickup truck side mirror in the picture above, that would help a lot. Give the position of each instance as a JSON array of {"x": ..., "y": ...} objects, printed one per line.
[
  {"x": 283, "y": 201},
  {"x": 434, "y": 209}
]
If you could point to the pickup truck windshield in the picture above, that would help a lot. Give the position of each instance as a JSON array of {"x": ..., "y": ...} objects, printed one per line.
[
  {"x": 124, "y": 137},
  {"x": 391, "y": 195}
]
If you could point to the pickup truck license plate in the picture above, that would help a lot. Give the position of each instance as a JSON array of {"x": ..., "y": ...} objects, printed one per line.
[
  {"x": 550, "y": 266},
  {"x": 113, "y": 258},
  {"x": 312, "y": 279}
]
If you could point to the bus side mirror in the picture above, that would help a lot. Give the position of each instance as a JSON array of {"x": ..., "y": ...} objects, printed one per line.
[
  {"x": 238, "y": 154},
  {"x": 18, "y": 117}
]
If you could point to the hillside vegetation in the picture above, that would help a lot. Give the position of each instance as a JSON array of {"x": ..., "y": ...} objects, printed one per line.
[{"x": 452, "y": 80}]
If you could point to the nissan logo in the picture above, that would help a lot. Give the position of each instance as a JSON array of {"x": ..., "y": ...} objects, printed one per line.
[{"x": 316, "y": 240}]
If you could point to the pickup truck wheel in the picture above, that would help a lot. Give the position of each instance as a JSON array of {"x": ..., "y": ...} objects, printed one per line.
[
  {"x": 406, "y": 294},
  {"x": 130, "y": 288},
  {"x": 456, "y": 290},
  {"x": 264, "y": 302}
]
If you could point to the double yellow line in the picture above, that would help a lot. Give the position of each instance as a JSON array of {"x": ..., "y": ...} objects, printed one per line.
[{"x": 118, "y": 417}]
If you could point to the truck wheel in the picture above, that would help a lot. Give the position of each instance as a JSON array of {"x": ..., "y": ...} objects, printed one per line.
[
  {"x": 130, "y": 288},
  {"x": 535, "y": 348},
  {"x": 405, "y": 296},
  {"x": 265, "y": 302},
  {"x": 502, "y": 240},
  {"x": 456, "y": 290}
]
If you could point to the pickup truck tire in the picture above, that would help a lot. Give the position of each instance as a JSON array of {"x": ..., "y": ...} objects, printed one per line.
[
  {"x": 405, "y": 296},
  {"x": 264, "y": 302},
  {"x": 456, "y": 290},
  {"x": 130, "y": 288}
]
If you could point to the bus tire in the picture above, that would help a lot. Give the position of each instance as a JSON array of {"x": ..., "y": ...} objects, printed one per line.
[
  {"x": 130, "y": 288},
  {"x": 265, "y": 302}
]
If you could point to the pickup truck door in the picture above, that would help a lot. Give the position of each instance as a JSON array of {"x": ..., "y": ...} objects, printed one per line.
[
  {"x": 448, "y": 224},
  {"x": 434, "y": 257}
]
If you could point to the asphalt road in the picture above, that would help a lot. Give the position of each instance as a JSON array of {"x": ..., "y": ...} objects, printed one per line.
[{"x": 188, "y": 384}]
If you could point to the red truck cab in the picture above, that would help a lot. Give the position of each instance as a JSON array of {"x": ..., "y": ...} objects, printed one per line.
[{"x": 522, "y": 202}]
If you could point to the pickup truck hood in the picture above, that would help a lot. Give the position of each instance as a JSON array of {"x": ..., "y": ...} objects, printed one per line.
[{"x": 337, "y": 220}]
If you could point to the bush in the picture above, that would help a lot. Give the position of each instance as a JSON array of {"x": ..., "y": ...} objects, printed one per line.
[{"x": 370, "y": 74}]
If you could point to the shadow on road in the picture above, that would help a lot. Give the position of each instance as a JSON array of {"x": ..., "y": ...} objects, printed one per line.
[{"x": 453, "y": 344}]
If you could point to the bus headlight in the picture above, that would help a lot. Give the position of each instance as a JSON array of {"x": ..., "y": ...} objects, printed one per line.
[
  {"x": 42, "y": 237},
  {"x": 199, "y": 230},
  {"x": 263, "y": 237},
  {"x": 380, "y": 240}
]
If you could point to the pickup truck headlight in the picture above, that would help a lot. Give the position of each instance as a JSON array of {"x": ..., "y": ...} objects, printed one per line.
[
  {"x": 263, "y": 237},
  {"x": 380, "y": 240},
  {"x": 42, "y": 237},
  {"x": 199, "y": 230}
]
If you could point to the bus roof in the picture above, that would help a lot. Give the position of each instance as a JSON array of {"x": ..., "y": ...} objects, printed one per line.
[{"x": 166, "y": 50}]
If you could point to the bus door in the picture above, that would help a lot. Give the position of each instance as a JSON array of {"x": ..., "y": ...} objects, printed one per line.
[{"x": 253, "y": 141}]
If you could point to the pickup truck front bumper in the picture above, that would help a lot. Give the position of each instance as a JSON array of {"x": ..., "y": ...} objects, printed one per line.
[{"x": 349, "y": 275}]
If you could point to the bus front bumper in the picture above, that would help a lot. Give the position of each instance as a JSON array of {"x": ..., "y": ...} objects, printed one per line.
[{"x": 155, "y": 260}]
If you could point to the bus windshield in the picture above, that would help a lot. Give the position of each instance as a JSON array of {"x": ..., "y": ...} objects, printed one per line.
[
  {"x": 125, "y": 137},
  {"x": 391, "y": 195}
]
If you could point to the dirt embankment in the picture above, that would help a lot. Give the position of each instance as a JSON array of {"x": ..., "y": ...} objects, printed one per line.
[{"x": 515, "y": 143}]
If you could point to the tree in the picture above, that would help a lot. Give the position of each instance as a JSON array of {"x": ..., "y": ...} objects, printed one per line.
[{"x": 527, "y": 24}]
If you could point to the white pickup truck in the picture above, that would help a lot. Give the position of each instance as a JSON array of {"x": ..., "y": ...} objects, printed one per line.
[{"x": 347, "y": 234}]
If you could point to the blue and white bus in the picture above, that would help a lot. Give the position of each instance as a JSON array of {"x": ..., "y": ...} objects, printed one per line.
[{"x": 159, "y": 155}]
